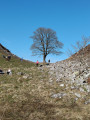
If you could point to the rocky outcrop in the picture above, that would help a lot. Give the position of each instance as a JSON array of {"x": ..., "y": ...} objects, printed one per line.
[{"x": 73, "y": 75}]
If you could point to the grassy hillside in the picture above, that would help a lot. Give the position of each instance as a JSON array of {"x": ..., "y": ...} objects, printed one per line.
[{"x": 26, "y": 94}]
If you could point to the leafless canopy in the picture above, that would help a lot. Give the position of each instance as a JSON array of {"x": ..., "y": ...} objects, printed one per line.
[
  {"x": 79, "y": 45},
  {"x": 45, "y": 42}
]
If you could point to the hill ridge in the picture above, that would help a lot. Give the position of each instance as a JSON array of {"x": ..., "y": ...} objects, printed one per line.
[{"x": 4, "y": 48}]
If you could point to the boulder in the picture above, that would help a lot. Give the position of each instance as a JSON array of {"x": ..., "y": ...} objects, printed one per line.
[
  {"x": 58, "y": 95},
  {"x": 61, "y": 85},
  {"x": 78, "y": 95}
]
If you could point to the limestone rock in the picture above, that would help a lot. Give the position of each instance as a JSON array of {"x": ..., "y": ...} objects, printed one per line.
[
  {"x": 78, "y": 95},
  {"x": 58, "y": 95}
]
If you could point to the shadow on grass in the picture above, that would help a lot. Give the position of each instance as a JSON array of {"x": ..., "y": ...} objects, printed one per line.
[
  {"x": 32, "y": 109},
  {"x": 35, "y": 108}
]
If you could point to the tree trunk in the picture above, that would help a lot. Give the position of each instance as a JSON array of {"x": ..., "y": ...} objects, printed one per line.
[{"x": 44, "y": 58}]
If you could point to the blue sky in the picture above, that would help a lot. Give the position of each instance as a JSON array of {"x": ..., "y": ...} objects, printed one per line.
[{"x": 20, "y": 18}]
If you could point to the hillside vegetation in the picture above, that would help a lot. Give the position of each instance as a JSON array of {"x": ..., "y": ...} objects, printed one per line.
[{"x": 33, "y": 93}]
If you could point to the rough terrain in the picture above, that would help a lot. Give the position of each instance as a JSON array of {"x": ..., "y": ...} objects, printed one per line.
[{"x": 59, "y": 91}]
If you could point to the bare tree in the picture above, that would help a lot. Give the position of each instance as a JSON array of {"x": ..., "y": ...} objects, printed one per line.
[
  {"x": 78, "y": 46},
  {"x": 69, "y": 52},
  {"x": 81, "y": 44},
  {"x": 45, "y": 42}
]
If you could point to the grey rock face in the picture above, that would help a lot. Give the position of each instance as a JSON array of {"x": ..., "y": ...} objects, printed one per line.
[
  {"x": 71, "y": 77},
  {"x": 73, "y": 71}
]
